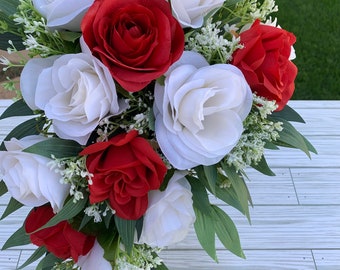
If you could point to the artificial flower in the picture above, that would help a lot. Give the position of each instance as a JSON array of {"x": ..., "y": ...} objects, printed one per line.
[
  {"x": 61, "y": 239},
  {"x": 137, "y": 40},
  {"x": 28, "y": 177},
  {"x": 63, "y": 14},
  {"x": 265, "y": 62},
  {"x": 199, "y": 112},
  {"x": 75, "y": 91},
  {"x": 170, "y": 213},
  {"x": 190, "y": 13},
  {"x": 94, "y": 259},
  {"x": 124, "y": 168}
]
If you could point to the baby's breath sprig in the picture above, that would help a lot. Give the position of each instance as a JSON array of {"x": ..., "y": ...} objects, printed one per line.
[
  {"x": 74, "y": 173},
  {"x": 142, "y": 257},
  {"x": 38, "y": 39},
  {"x": 258, "y": 130},
  {"x": 214, "y": 42}
]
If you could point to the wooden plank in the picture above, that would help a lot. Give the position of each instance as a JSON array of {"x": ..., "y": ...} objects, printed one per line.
[
  {"x": 9, "y": 259},
  {"x": 317, "y": 185},
  {"x": 256, "y": 260},
  {"x": 25, "y": 254},
  {"x": 292, "y": 158},
  {"x": 327, "y": 259},
  {"x": 314, "y": 104},
  {"x": 283, "y": 227}
]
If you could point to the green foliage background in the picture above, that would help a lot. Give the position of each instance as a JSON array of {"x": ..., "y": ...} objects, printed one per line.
[{"x": 316, "y": 24}]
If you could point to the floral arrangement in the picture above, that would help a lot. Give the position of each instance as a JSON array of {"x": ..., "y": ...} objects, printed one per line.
[{"x": 135, "y": 113}]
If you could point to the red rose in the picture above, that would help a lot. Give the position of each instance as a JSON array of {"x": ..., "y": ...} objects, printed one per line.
[
  {"x": 136, "y": 39},
  {"x": 265, "y": 63},
  {"x": 61, "y": 240},
  {"x": 124, "y": 169}
]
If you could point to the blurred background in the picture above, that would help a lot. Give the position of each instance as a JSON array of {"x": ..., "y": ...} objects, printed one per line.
[{"x": 316, "y": 24}]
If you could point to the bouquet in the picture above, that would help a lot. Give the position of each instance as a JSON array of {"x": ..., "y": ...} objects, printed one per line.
[{"x": 135, "y": 113}]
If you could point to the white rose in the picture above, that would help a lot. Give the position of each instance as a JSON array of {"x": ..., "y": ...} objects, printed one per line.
[
  {"x": 63, "y": 14},
  {"x": 190, "y": 13},
  {"x": 76, "y": 91},
  {"x": 199, "y": 111},
  {"x": 27, "y": 176},
  {"x": 170, "y": 214},
  {"x": 94, "y": 259}
]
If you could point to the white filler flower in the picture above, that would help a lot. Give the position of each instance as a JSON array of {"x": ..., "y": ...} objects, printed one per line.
[
  {"x": 75, "y": 90},
  {"x": 63, "y": 14},
  {"x": 170, "y": 213},
  {"x": 28, "y": 177},
  {"x": 190, "y": 13},
  {"x": 199, "y": 111}
]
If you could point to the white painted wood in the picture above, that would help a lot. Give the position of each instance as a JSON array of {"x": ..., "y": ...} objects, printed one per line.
[
  {"x": 282, "y": 227},
  {"x": 327, "y": 259},
  {"x": 317, "y": 185},
  {"x": 9, "y": 259},
  {"x": 256, "y": 260}
]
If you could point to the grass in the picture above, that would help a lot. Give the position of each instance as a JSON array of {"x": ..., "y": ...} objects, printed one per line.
[{"x": 316, "y": 25}]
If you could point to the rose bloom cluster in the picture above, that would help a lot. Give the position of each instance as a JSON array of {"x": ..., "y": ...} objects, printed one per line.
[{"x": 131, "y": 47}]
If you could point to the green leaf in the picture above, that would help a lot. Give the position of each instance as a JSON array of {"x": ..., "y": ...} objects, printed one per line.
[
  {"x": 226, "y": 231},
  {"x": 289, "y": 114},
  {"x": 48, "y": 262},
  {"x": 162, "y": 266},
  {"x": 211, "y": 175},
  {"x": 38, "y": 253},
  {"x": 109, "y": 242},
  {"x": 290, "y": 137},
  {"x": 126, "y": 229},
  {"x": 12, "y": 206},
  {"x": 19, "y": 238},
  {"x": 229, "y": 196},
  {"x": 240, "y": 188},
  {"x": 55, "y": 146},
  {"x": 17, "y": 41},
  {"x": 205, "y": 232},
  {"x": 29, "y": 127},
  {"x": 70, "y": 36},
  {"x": 85, "y": 220},
  {"x": 8, "y": 7},
  {"x": 208, "y": 176},
  {"x": 199, "y": 195},
  {"x": 18, "y": 108},
  {"x": 166, "y": 179},
  {"x": 3, "y": 188},
  {"x": 69, "y": 211},
  {"x": 262, "y": 166}
]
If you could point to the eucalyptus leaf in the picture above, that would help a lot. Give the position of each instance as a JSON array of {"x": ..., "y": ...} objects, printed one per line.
[
  {"x": 70, "y": 36},
  {"x": 19, "y": 238},
  {"x": 3, "y": 188},
  {"x": 18, "y": 108},
  {"x": 205, "y": 232},
  {"x": 12, "y": 206},
  {"x": 166, "y": 179},
  {"x": 226, "y": 231},
  {"x": 69, "y": 210},
  {"x": 126, "y": 229},
  {"x": 37, "y": 254},
  {"x": 29, "y": 127},
  {"x": 57, "y": 147}
]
